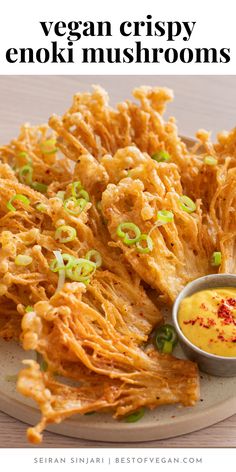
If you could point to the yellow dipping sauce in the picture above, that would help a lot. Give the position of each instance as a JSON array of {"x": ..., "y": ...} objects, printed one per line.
[{"x": 208, "y": 320}]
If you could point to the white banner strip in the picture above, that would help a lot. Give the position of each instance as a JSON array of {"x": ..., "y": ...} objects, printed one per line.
[
  {"x": 107, "y": 460},
  {"x": 124, "y": 37}
]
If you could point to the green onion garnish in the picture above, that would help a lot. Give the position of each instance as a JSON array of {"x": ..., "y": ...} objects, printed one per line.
[
  {"x": 83, "y": 194},
  {"x": 61, "y": 195},
  {"x": 41, "y": 207},
  {"x": 136, "y": 416},
  {"x": 22, "y": 154},
  {"x": 78, "y": 270},
  {"x": 167, "y": 347},
  {"x": 39, "y": 187},
  {"x": 216, "y": 258},
  {"x": 161, "y": 156},
  {"x": 26, "y": 156},
  {"x": 187, "y": 204},
  {"x": 71, "y": 234},
  {"x": 130, "y": 227},
  {"x": 23, "y": 260},
  {"x": 29, "y": 308},
  {"x": 19, "y": 197},
  {"x": 165, "y": 216},
  {"x": 166, "y": 338},
  {"x": 81, "y": 271},
  {"x": 78, "y": 191},
  {"x": 76, "y": 187},
  {"x": 71, "y": 260},
  {"x": 25, "y": 174},
  {"x": 49, "y": 146},
  {"x": 95, "y": 256},
  {"x": 149, "y": 244},
  {"x": 73, "y": 206},
  {"x": 210, "y": 161},
  {"x": 55, "y": 267},
  {"x": 44, "y": 366}
]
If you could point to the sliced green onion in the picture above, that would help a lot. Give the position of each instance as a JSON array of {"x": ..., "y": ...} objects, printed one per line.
[
  {"x": 19, "y": 197},
  {"x": 24, "y": 154},
  {"x": 125, "y": 235},
  {"x": 187, "y": 204},
  {"x": 29, "y": 308},
  {"x": 40, "y": 187},
  {"x": 83, "y": 194},
  {"x": 93, "y": 254},
  {"x": 69, "y": 259},
  {"x": 78, "y": 191},
  {"x": 161, "y": 156},
  {"x": 25, "y": 174},
  {"x": 81, "y": 271},
  {"x": 216, "y": 258},
  {"x": 166, "y": 338},
  {"x": 61, "y": 270},
  {"x": 136, "y": 416},
  {"x": 167, "y": 347},
  {"x": 55, "y": 266},
  {"x": 41, "y": 207},
  {"x": 210, "y": 161},
  {"x": 149, "y": 244},
  {"x": 49, "y": 146},
  {"x": 76, "y": 187},
  {"x": 61, "y": 195},
  {"x": 71, "y": 234},
  {"x": 77, "y": 205},
  {"x": 23, "y": 260},
  {"x": 165, "y": 216},
  {"x": 44, "y": 366}
]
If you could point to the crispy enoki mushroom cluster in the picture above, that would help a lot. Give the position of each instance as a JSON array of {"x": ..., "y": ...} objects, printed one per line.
[{"x": 106, "y": 203}]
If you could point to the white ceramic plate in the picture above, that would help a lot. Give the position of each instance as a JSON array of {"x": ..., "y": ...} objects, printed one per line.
[{"x": 218, "y": 401}]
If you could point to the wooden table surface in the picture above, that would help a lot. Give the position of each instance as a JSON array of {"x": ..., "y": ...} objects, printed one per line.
[{"x": 201, "y": 102}]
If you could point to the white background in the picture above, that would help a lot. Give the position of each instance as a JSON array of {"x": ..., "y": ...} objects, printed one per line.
[
  {"x": 211, "y": 458},
  {"x": 215, "y": 27}
]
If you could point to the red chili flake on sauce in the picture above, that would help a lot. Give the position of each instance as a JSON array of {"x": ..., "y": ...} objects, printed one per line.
[
  {"x": 231, "y": 301},
  {"x": 203, "y": 306},
  {"x": 225, "y": 314},
  {"x": 211, "y": 322},
  {"x": 192, "y": 322},
  {"x": 204, "y": 324},
  {"x": 221, "y": 337}
]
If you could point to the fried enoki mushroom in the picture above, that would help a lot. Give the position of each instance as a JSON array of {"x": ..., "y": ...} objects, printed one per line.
[
  {"x": 28, "y": 280},
  {"x": 98, "y": 348},
  {"x": 178, "y": 253},
  {"x": 173, "y": 381},
  {"x": 92, "y": 126},
  {"x": 36, "y": 159}
]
